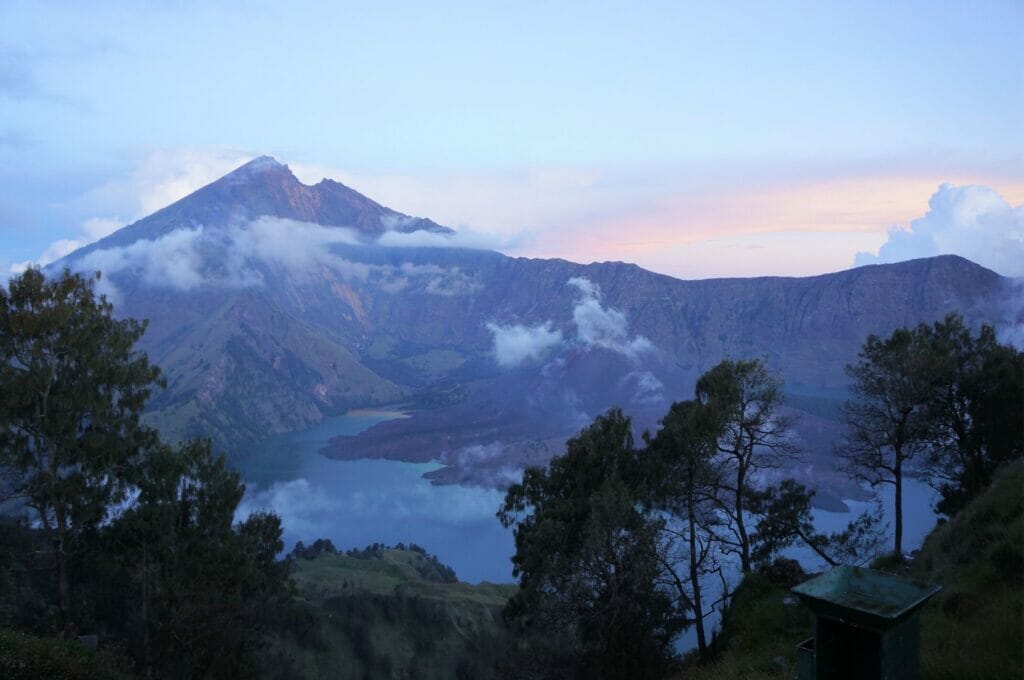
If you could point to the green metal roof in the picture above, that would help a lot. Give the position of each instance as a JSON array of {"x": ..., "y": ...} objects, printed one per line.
[{"x": 867, "y": 592}]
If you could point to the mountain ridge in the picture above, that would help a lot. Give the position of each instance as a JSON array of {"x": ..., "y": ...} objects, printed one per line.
[
  {"x": 308, "y": 320},
  {"x": 266, "y": 187}
]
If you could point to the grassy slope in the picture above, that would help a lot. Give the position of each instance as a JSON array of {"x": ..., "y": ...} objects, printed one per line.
[
  {"x": 973, "y": 629},
  {"x": 26, "y": 657},
  {"x": 378, "y": 618}
]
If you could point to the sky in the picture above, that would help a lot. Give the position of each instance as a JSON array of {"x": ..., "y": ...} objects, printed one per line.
[{"x": 695, "y": 139}]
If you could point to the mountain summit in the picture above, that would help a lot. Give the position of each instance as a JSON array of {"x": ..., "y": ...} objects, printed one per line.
[
  {"x": 266, "y": 187},
  {"x": 273, "y": 305}
]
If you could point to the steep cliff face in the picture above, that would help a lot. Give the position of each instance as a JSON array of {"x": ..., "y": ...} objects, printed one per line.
[{"x": 273, "y": 304}]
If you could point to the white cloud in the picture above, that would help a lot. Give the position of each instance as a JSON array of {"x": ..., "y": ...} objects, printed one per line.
[
  {"x": 531, "y": 199},
  {"x": 53, "y": 252},
  {"x": 463, "y": 238},
  {"x": 182, "y": 259},
  {"x": 518, "y": 343},
  {"x": 972, "y": 221},
  {"x": 158, "y": 178},
  {"x": 647, "y": 389},
  {"x": 599, "y": 326},
  {"x": 596, "y": 326},
  {"x": 98, "y": 227},
  {"x": 396, "y": 222},
  {"x": 171, "y": 261}
]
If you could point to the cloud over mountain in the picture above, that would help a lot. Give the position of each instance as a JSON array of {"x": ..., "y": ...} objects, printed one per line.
[
  {"x": 235, "y": 257},
  {"x": 599, "y": 326},
  {"x": 971, "y": 221},
  {"x": 518, "y": 343}
]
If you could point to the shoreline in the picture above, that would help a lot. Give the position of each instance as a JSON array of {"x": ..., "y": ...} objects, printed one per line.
[{"x": 379, "y": 413}]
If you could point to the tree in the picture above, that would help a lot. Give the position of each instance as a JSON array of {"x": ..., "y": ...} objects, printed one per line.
[
  {"x": 72, "y": 387},
  {"x": 587, "y": 559},
  {"x": 684, "y": 481},
  {"x": 886, "y": 420},
  {"x": 784, "y": 517},
  {"x": 205, "y": 589},
  {"x": 974, "y": 413},
  {"x": 746, "y": 400}
]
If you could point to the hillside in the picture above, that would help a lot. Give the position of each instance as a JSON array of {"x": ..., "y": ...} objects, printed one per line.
[
  {"x": 382, "y": 614},
  {"x": 972, "y": 630},
  {"x": 273, "y": 305}
]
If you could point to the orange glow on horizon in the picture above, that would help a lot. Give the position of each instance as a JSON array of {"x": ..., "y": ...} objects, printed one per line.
[{"x": 788, "y": 229}]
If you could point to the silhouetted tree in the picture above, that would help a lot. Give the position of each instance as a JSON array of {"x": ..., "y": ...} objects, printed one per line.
[
  {"x": 587, "y": 559},
  {"x": 975, "y": 411},
  {"x": 72, "y": 387},
  {"x": 207, "y": 589},
  {"x": 745, "y": 399},
  {"x": 887, "y": 422},
  {"x": 784, "y": 517},
  {"x": 684, "y": 482}
]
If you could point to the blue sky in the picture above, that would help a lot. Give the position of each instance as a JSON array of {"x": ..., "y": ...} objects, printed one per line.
[{"x": 696, "y": 139}]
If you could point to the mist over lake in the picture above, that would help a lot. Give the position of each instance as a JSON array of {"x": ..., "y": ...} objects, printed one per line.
[
  {"x": 359, "y": 502},
  {"x": 356, "y": 503}
]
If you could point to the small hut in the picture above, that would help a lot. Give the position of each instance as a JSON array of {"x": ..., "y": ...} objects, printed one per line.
[{"x": 866, "y": 625}]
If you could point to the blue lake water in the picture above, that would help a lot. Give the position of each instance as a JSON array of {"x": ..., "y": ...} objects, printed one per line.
[
  {"x": 918, "y": 520},
  {"x": 355, "y": 503}
]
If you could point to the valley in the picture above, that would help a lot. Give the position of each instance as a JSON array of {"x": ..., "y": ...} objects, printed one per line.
[{"x": 274, "y": 306}]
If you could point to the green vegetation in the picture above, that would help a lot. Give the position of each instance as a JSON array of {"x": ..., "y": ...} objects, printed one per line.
[
  {"x": 587, "y": 557},
  {"x": 941, "y": 395},
  {"x": 374, "y": 614},
  {"x": 613, "y": 542},
  {"x": 27, "y": 657},
  {"x": 73, "y": 389},
  {"x": 759, "y": 634},
  {"x": 973, "y": 629},
  {"x": 132, "y": 541}
]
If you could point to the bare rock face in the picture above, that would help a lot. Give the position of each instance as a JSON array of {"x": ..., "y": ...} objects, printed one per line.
[
  {"x": 265, "y": 187},
  {"x": 261, "y": 331}
]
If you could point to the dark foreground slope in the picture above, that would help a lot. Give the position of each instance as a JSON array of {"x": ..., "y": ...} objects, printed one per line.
[
  {"x": 972, "y": 630},
  {"x": 383, "y": 615}
]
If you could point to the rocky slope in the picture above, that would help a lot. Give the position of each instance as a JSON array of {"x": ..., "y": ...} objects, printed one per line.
[{"x": 273, "y": 304}]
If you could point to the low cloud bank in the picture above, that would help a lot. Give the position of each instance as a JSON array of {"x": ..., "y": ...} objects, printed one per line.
[
  {"x": 971, "y": 221},
  {"x": 492, "y": 463},
  {"x": 595, "y": 326},
  {"x": 516, "y": 344},
  {"x": 599, "y": 326},
  {"x": 232, "y": 257}
]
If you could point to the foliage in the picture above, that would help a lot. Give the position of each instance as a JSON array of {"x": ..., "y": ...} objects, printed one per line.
[
  {"x": 427, "y": 566},
  {"x": 207, "y": 589},
  {"x": 759, "y": 633},
  {"x": 26, "y": 657},
  {"x": 745, "y": 399},
  {"x": 975, "y": 409},
  {"x": 319, "y": 547},
  {"x": 372, "y": 617},
  {"x": 939, "y": 395},
  {"x": 141, "y": 536},
  {"x": 587, "y": 559},
  {"x": 972, "y": 630},
  {"x": 72, "y": 387},
  {"x": 784, "y": 517},
  {"x": 684, "y": 483},
  {"x": 886, "y": 420}
]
